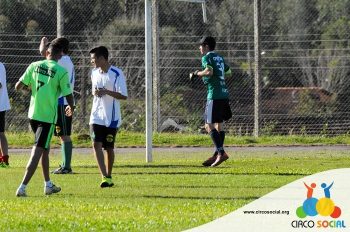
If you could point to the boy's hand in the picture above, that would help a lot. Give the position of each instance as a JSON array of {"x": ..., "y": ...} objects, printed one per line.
[{"x": 193, "y": 75}]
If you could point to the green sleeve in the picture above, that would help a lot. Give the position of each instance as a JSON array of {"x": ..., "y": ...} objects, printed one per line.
[
  {"x": 227, "y": 69},
  {"x": 27, "y": 76},
  {"x": 206, "y": 62},
  {"x": 65, "y": 85}
]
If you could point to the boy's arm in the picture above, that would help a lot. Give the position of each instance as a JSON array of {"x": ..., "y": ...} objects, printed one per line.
[
  {"x": 208, "y": 71},
  {"x": 43, "y": 46},
  {"x": 70, "y": 108}
]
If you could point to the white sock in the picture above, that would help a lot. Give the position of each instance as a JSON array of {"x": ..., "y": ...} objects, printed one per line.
[
  {"x": 23, "y": 186},
  {"x": 48, "y": 183}
]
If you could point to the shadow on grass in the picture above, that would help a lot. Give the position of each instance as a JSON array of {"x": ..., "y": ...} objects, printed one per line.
[
  {"x": 117, "y": 173},
  {"x": 147, "y": 166},
  {"x": 207, "y": 186},
  {"x": 64, "y": 195},
  {"x": 201, "y": 197}
]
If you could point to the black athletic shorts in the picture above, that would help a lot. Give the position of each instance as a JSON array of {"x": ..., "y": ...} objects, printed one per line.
[
  {"x": 2, "y": 121},
  {"x": 103, "y": 134},
  {"x": 43, "y": 133},
  {"x": 217, "y": 111},
  {"x": 64, "y": 123}
]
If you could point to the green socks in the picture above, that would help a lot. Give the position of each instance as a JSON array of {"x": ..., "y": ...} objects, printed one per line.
[{"x": 67, "y": 148}]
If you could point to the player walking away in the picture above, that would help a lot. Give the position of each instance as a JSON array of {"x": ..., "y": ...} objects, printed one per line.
[
  {"x": 4, "y": 106},
  {"x": 217, "y": 109},
  {"x": 108, "y": 87},
  {"x": 47, "y": 81},
  {"x": 63, "y": 127}
]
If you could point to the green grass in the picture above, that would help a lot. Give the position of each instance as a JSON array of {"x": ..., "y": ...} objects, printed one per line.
[
  {"x": 131, "y": 139},
  {"x": 171, "y": 194}
]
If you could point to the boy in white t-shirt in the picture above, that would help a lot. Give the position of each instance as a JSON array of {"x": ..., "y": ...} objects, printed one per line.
[
  {"x": 4, "y": 106},
  {"x": 63, "y": 128},
  {"x": 108, "y": 87}
]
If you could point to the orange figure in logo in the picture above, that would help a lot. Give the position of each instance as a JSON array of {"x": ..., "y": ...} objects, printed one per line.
[{"x": 310, "y": 189}]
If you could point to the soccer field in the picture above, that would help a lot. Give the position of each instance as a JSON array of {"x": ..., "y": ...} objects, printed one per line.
[{"x": 171, "y": 194}]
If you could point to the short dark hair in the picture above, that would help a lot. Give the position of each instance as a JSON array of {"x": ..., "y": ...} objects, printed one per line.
[
  {"x": 55, "y": 49},
  {"x": 210, "y": 41},
  {"x": 100, "y": 51},
  {"x": 63, "y": 42}
]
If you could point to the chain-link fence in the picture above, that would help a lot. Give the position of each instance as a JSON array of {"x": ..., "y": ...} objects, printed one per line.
[{"x": 305, "y": 60}]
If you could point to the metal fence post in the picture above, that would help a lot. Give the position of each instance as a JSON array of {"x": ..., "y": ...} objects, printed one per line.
[
  {"x": 156, "y": 73},
  {"x": 60, "y": 23},
  {"x": 148, "y": 77},
  {"x": 257, "y": 68}
]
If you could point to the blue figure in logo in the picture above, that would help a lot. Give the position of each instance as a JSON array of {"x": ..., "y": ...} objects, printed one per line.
[{"x": 327, "y": 193}]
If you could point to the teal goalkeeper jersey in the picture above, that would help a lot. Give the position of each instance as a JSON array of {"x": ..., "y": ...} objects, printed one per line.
[{"x": 216, "y": 86}]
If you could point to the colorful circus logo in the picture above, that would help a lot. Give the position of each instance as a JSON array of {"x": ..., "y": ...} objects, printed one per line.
[{"x": 323, "y": 206}]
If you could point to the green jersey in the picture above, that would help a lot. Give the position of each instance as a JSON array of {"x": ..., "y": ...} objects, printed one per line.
[
  {"x": 216, "y": 85},
  {"x": 47, "y": 81}
]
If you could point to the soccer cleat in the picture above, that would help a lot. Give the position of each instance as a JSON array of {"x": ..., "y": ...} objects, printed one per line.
[
  {"x": 4, "y": 161},
  {"x": 51, "y": 190},
  {"x": 21, "y": 192},
  {"x": 4, "y": 165},
  {"x": 106, "y": 182},
  {"x": 210, "y": 160},
  {"x": 62, "y": 170},
  {"x": 219, "y": 159}
]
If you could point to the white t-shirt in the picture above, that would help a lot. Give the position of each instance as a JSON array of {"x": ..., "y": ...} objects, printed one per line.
[
  {"x": 67, "y": 63},
  {"x": 106, "y": 109},
  {"x": 4, "y": 97}
]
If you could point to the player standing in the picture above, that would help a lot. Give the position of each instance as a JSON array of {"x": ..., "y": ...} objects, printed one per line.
[
  {"x": 218, "y": 108},
  {"x": 63, "y": 127},
  {"x": 4, "y": 106},
  {"x": 47, "y": 81},
  {"x": 108, "y": 87}
]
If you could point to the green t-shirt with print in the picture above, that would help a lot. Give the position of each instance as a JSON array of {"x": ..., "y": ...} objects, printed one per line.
[
  {"x": 216, "y": 86},
  {"x": 47, "y": 81}
]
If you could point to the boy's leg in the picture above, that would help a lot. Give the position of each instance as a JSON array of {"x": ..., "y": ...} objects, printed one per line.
[
  {"x": 3, "y": 140},
  {"x": 49, "y": 187},
  {"x": 108, "y": 144},
  {"x": 32, "y": 163},
  {"x": 98, "y": 152},
  {"x": 110, "y": 161},
  {"x": 45, "y": 163},
  {"x": 4, "y": 157},
  {"x": 215, "y": 136},
  {"x": 43, "y": 134},
  {"x": 67, "y": 148},
  {"x": 63, "y": 130},
  {"x": 66, "y": 141},
  {"x": 98, "y": 135},
  {"x": 222, "y": 156},
  {"x": 219, "y": 128},
  {"x": 3, "y": 144}
]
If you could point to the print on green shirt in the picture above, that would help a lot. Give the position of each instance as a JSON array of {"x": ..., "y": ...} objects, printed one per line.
[
  {"x": 216, "y": 86},
  {"x": 47, "y": 81}
]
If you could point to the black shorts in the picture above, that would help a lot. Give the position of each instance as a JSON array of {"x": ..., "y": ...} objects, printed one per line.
[
  {"x": 64, "y": 123},
  {"x": 43, "y": 133},
  {"x": 103, "y": 134},
  {"x": 2, "y": 121},
  {"x": 217, "y": 111}
]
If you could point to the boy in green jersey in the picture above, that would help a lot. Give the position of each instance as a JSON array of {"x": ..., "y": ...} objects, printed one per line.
[
  {"x": 218, "y": 108},
  {"x": 46, "y": 80}
]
